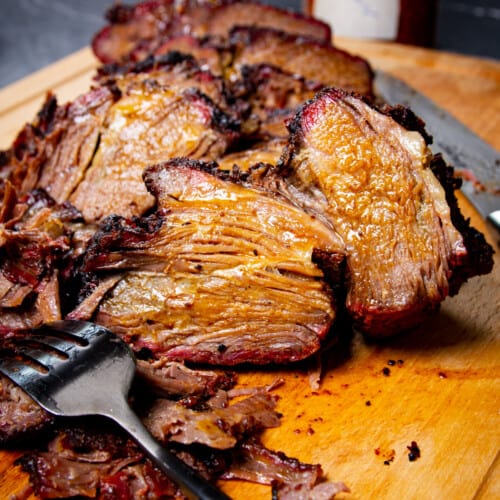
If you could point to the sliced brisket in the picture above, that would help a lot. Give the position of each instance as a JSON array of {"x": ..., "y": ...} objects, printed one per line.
[
  {"x": 384, "y": 197},
  {"x": 210, "y": 55},
  {"x": 217, "y": 437},
  {"x": 54, "y": 150},
  {"x": 230, "y": 13},
  {"x": 136, "y": 31},
  {"x": 269, "y": 87},
  {"x": 221, "y": 273},
  {"x": 221, "y": 263},
  {"x": 90, "y": 463},
  {"x": 149, "y": 123},
  {"x": 175, "y": 380},
  {"x": 96, "y": 460},
  {"x": 93, "y": 151},
  {"x": 265, "y": 151},
  {"x": 21, "y": 416},
  {"x": 273, "y": 96},
  {"x": 173, "y": 70},
  {"x": 219, "y": 428},
  {"x": 312, "y": 59}
]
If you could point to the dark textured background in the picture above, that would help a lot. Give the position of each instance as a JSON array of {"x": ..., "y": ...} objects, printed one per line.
[{"x": 34, "y": 33}]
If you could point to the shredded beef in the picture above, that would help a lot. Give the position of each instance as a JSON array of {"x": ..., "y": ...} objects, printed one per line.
[
  {"x": 219, "y": 428},
  {"x": 290, "y": 478}
]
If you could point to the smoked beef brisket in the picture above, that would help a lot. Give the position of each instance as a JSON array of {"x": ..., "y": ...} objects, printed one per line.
[
  {"x": 273, "y": 96},
  {"x": 221, "y": 273},
  {"x": 225, "y": 35},
  {"x": 312, "y": 59},
  {"x": 193, "y": 411},
  {"x": 352, "y": 181},
  {"x": 145, "y": 127},
  {"x": 266, "y": 152},
  {"x": 21, "y": 416},
  {"x": 215, "y": 200},
  {"x": 39, "y": 239},
  {"x": 136, "y": 31},
  {"x": 389, "y": 200},
  {"x": 364, "y": 186}
]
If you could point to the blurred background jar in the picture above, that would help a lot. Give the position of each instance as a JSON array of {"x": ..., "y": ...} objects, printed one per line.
[{"x": 404, "y": 21}]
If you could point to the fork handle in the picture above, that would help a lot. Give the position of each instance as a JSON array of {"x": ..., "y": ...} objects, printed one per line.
[{"x": 192, "y": 485}]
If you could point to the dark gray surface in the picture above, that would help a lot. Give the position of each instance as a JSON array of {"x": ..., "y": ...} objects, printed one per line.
[
  {"x": 34, "y": 33},
  {"x": 469, "y": 27}
]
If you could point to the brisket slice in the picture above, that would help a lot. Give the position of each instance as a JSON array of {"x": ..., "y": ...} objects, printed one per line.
[
  {"x": 175, "y": 380},
  {"x": 230, "y": 13},
  {"x": 136, "y": 28},
  {"x": 219, "y": 428},
  {"x": 222, "y": 273},
  {"x": 173, "y": 70},
  {"x": 312, "y": 59},
  {"x": 405, "y": 251},
  {"x": 210, "y": 55},
  {"x": 273, "y": 96},
  {"x": 149, "y": 123},
  {"x": 85, "y": 462},
  {"x": 265, "y": 151},
  {"x": 269, "y": 87},
  {"x": 136, "y": 31}
]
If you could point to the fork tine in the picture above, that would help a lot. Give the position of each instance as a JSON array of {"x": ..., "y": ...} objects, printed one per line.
[
  {"x": 19, "y": 371},
  {"x": 35, "y": 384},
  {"x": 81, "y": 331},
  {"x": 53, "y": 342},
  {"x": 48, "y": 358}
]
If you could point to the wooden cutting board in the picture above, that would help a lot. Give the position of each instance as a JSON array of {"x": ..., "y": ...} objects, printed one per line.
[{"x": 444, "y": 390}]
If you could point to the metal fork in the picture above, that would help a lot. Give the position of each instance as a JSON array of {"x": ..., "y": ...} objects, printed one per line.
[{"x": 76, "y": 368}]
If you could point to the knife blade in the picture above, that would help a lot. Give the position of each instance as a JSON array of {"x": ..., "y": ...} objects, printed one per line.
[{"x": 459, "y": 146}]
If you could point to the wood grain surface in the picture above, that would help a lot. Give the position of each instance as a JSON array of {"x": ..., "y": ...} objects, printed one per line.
[{"x": 443, "y": 392}]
